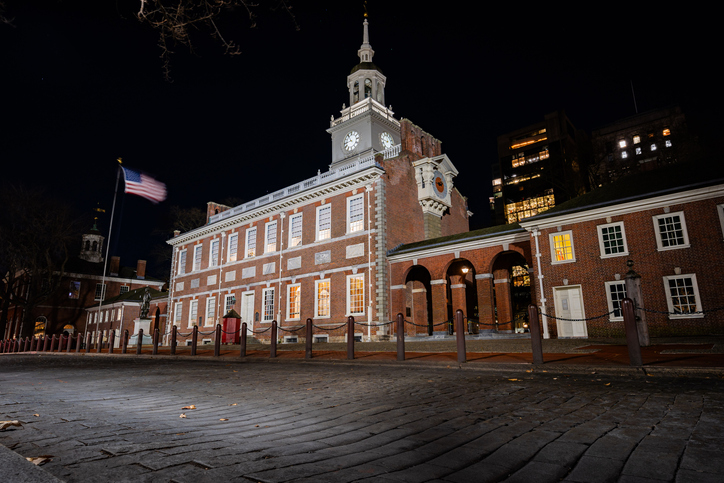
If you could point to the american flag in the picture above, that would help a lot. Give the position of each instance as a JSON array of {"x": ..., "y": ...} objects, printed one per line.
[{"x": 143, "y": 185}]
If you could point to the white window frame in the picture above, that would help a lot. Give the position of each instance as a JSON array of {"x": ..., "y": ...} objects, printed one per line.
[
  {"x": 267, "y": 317},
  {"x": 553, "y": 249},
  {"x": 611, "y": 307},
  {"x": 685, "y": 234},
  {"x": 291, "y": 339},
  {"x": 124, "y": 289},
  {"x": 214, "y": 260},
  {"x": 100, "y": 293},
  {"x": 210, "y": 318},
  {"x": 197, "y": 258},
  {"x": 228, "y": 297},
  {"x": 232, "y": 255},
  {"x": 325, "y": 234},
  {"x": 250, "y": 247},
  {"x": 600, "y": 229},
  {"x": 349, "y": 294},
  {"x": 267, "y": 243},
  {"x": 670, "y": 302},
  {"x": 316, "y": 298},
  {"x": 295, "y": 239},
  {"x": 177, "y": 313},
  {"x": 193, "y": 312},
  {"x": 320, "y": 338},
  {"x": 289, "y": 301},
  {"x": 182, "y": 266},
  {"x": 350, "y": 200}
]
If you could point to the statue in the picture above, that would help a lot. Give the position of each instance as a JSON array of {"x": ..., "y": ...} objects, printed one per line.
[{"x": 145, "y": 303}]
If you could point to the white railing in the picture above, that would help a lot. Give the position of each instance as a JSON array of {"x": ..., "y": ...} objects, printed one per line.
[{"x": 362, "y": 107}]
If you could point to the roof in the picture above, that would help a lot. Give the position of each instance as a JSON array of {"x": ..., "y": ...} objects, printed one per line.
[
  {"x": 365, "y": 66},
  {"x": 457, "y": 238},
  {"x": 135, "y": 295},
  {"x": 84, "y": 267}
]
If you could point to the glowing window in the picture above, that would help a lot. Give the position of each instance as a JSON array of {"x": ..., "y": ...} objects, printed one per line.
[
  {"x": 636, "y": 139},
  {"x": 210, "y": 311},
  {"x": 562, "y": 247},
  {"x": 622, "y": 143},
  {"x": 294, "y": 301},
  {"x": 638, "y": 150},
  {"x": 653, "y": 147},
  {"x": 667, "y": 132},
  {"x": 355, "y": 294},
  {"x": 322, "y": 301},
  {"x": 251, "y": 242},
  {"x": 624, "y": 154},
  {"x": 667, "y": 143}
]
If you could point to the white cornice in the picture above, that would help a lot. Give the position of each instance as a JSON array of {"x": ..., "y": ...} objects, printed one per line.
[
  {"x": 625, "y": 208},
  {"x": 139, "y": 281},
  {"x": 462, "y": 245}
]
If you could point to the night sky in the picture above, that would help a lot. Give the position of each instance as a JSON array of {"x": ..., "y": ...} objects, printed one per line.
[{"x": 83, "y": 85}]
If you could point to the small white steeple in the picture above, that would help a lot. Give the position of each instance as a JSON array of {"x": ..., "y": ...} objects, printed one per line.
[{"x": 365, "y": 51}]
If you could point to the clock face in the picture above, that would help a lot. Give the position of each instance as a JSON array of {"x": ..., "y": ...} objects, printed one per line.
[
  {"x": 386, "y": 140},
  {"x": 350, "y": 140},
  {"x": 440, "y": 184}
]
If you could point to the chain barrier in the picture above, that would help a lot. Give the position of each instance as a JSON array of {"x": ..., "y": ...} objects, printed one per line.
[
  {"x": 366, "y": 324},
  {"x": 291, "y": 330},
  {"x": 259, "y": 331},
  {"x": 329, "y": 329},
  {"x": 580, "y": 320}
]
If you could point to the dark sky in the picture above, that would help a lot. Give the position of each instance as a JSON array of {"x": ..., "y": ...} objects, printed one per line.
[{"x": 83, "y": 85}]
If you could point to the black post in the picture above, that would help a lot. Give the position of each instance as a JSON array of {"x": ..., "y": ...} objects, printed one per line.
[
  {"x": 308, "y": 344},
  {"x": 173, "y": 340},
  {"x": 632, "y": 335},
  {"x": 400, "y": 337},
  {"x": 194, "y": 339},
  {"x": 88, "y": 341},
  {"x": 99, "y": 342},
  {"x": 125, "y": 342},
  {"x": 350, "y": 338},
  {"x": 460, "y": 336},
  {"x": 535, "y": 336},
  {"x": 27, "y": 344},
  {"x": 78, "y": 342},
  {"x": 273, "y": 350},
  {"x": 46, "y": 343},
  {"x": 111, "y": 343},
  {"x": 139, "y": 342},
  {"x": 217, "y": 341},
  {"x": 155, "y": 341},
  {"x": 242, "y": 340}
]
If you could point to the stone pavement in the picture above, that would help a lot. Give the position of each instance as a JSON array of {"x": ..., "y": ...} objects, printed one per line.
[{"x": 117, "y": 419}]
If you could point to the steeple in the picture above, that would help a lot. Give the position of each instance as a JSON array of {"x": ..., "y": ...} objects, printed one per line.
[
  {"x": 366, "y": 79},
  {"x": 365, "y": 51}
]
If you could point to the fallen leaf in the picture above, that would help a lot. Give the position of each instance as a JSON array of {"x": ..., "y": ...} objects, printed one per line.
[
  {"x": 232, "y": 404},
  {"x": 189, "y": 407},
  {"x": 607, "y": 384},
  {"x": 256, "y": 426},
  {"x": 36, "y": 415},
  {"x": 223, "y": 419},
  {"x": 183, "y": 415},
  {"x": 512, "y": 379},
  {"x": 7, "y": 424},
  {"x": 39, "y": 460},
  {"x": 309, "y": 389}
]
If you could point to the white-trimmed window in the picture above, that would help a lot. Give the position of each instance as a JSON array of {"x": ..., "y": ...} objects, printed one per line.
[
  {"x": 612, "y": 240},
  {"x": 294, "y": 301},
  {"x": 210, "y": 311},
  {"x": 615, "y": 293},
  {"x": 100, "y": 291},
  {"x": 193, "y": 312},
  {"x": 124, "y": 289},
  {"x": 270, "y": 237},
  {"x": 295, "y": 230},
  {"x": 670, "y": 231},
  {"x": 229, "y": 301},
  {"x": 636, "y": 139},
  {"x": 720, "y": 211},
  {"x": 74, "y": 290},
  {"x": 177, "y": 313},
  {"x": 324, "y": 222},
  {"x": 322, "y": 299},
  {"x": 182, "y": 262},
  {"x": 355, "y": 294},
  {"x": 251, "y": 242},
  {"x": 233, "y": 247},
  {"x": 214, "y": 253},
  {"x": 562, "y": 247},
  {"x": 682, "y": 296},
  {"x": 355, "y": 213},
  {"x": 197, "y": 257},
  {"x": 120, "y": 313},
  {"x": 268, "y": 305}
]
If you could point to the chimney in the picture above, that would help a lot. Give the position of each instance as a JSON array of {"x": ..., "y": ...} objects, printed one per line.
[
  {"x": 141, "y": 270},
  {"x": 176, "y": 233},
  {"x": 115, "y": 265}
]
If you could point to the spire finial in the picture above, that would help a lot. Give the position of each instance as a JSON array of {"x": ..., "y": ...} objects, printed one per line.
[{"x": 365, "y": 51}]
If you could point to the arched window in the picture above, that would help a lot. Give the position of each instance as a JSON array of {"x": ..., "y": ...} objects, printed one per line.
[
  {"x": 40, "y": 325},
  {"x": 355, "y": 92},
  {"x": 368, "y": 88},
  {"x": 95, "y": 246},
  {"x": 87, "y": 245}
]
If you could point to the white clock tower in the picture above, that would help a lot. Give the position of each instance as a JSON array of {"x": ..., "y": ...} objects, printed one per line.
[{"x": 367, "y": 126}]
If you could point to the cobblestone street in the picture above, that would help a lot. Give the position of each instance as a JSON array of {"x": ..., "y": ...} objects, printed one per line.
[{"x": 118, "y": 419}]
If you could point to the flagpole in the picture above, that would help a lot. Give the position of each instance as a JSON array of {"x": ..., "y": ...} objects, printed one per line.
[{"x": 105, "y": 261}]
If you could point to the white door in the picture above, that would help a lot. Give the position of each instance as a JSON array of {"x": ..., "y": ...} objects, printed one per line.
[
  {"x": 247, "y": 310},
  {"x": 569, "y": 305}
]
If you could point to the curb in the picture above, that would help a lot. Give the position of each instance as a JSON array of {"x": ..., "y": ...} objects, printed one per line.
[{"x": 17, "y": 469}]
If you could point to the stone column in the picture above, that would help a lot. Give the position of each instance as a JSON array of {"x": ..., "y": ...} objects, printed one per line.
[
  {"x": 457, "y": 289},
  {"x": 486, "y": 309},
  {"x": 503, "y": 300},
  {"x": 439, "y": 302},
  {"x": 419, "y": 308}
]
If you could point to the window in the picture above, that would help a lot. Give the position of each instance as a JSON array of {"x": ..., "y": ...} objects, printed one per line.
[
  {"x": 124, "y": 289},
  {"x": 229, "y": 302},
  {"x": 636, "y": 139},
  {"x": 612, "y": 240},
  {"x": 193, "y": 312},
  {"x": 197, "y": 257},
  {"x": 210, "y": 311},
  {"x": 682, "y": 296},
  {"x": 720, "y": 211},
  {"x": 653, "y": 147},
  {"x": 270, "y": 237},
  {"x": 638, "y": 150},
  {"x": 622, "y": 143},
  {"x": 671, "y": 231},
  {"x": 182, "y": 262},
  {"x": 355, "y": 294},
  {"x": 268, "y": 307},
  {"x": 295, "y": 230},
  {"x": 562, "y": 247},
  {"x": 214, "y": 253},
  {"x": 74, "y": 290},
  {"x": 624, "y": 154},
  {"x": 666, "y": 132},
  {"x": 100, "y": 291},
  {"x": 251, "y": 242},
  {"x": 667, "y": 143},
  {"x": 293, "y": 301},
  {"x": 233, "y": 246},
  {"x": 321, "y": 303},
  {"x": 615, "y": 293},
  {"x": 355, "y": 213},
  {"x": 324, "y": 222},
  {"x": 177, "y": 311}
]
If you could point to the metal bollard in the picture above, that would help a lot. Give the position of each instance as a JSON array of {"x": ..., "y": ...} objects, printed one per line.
[
  {"x": 46, "y": 343},
  {"x": 173, "y": 340},
  {"x": 139, "y": 342},
  {"x": 53, "y": 340},
  {"x": 32, "y": 344},
  {"x": 217, "y": 341},
  {"x": 242, "y": 348},
  {"x": 27, "y": 345},
  {"x": 535, "y": 335},
  {"x": 350, "y": 338},
  {"x": 68, "y": 342},
  {"x": 632, "y": 333},
  {"x": 308, "y": 344},
  {"x": 78, "y": 342},
  {"x": 460, "y": 336},
  {"x": 155, "y": 341},
  {"x": 273, "y": 350},
  {"x": 194, "y": 339},
  {"x": 99, "y": 342},
  {"x": 112, "y": 342},
  {"x": 88, "y": 341},
  {"x": 124, "y": 346},
  {"x": 400, "y": 337}
]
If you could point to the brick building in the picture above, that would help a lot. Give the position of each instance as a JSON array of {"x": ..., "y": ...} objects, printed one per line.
[{"x": 318, "y": 249}]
